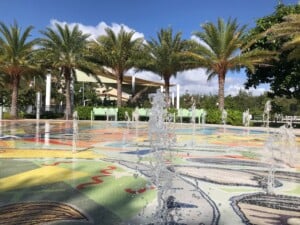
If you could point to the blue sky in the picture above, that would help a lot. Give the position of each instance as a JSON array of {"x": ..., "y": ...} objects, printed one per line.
[{"x": 146, "y": 17}]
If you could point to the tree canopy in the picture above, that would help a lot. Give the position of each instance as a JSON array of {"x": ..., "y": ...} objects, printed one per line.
[
  {"x": 221, "y": 50},
  {"x": 15, "y": 59},
  {"x": 284, "y": 75},
  {"x": 63, "y": 49},
  {"x": 118, "y": 52}
]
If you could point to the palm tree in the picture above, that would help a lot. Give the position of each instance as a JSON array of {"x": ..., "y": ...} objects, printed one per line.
[
  {"x": 63, "y": 49},
  {"x": 15, "y": 58},
  {"x": 222, "y": 49},
  {"x": 117, "y": 52},
  {"x": 289, "y": 28},
  {"x": 167, "y": 56}
]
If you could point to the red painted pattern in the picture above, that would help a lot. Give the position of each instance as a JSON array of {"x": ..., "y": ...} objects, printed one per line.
[
  {"x": 56, "y": 163},
  {"x": 51, "y": 141},
  {"x": 138, "y": 191},
  {"x": 106, "y": 171},
  {"x": 97, "y": 179}
]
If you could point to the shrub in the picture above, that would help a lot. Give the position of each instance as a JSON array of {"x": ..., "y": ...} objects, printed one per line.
[
  {"x": 51, "y": 115},
  {"x": 29, "y": 116},
  {"x": 84, "y": 112},
  {"x": 213, "y": 116},
  {"x": 6, "y": 116},
  {"x": 121, "y": 112},
  {"x": 234, "y": 117}
]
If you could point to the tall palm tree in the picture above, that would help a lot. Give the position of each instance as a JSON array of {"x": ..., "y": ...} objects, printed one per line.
[
  {"x": 63, "y": 49},
  {"x": 15, "y": 58},
  {"x": 166, "y": 56},
  {"x": 118, "y": 52},
  {"x": 289, "y": 28},
  {"x": 222, "y": 49}
]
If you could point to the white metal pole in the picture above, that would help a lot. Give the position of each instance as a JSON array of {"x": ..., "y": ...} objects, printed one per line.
[
  {"x": 83, "y": 93},
  {"x": 133, "y": 84},
  {"x": 178, "y": 97},
  {"x": 48, "y": 92},
  {"x": 173, "y": 98}
]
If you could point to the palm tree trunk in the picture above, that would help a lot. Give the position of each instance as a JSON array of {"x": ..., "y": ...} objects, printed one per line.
[
  {"x": 167, "y": 87},
  {"x": 221, "y": 79},
  {"x": 119, "y": 89},
  {"x": 67, "y": 75},
  {"x": 14, "y": 97}
]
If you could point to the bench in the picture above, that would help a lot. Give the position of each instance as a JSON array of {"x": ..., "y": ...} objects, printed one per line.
[
  {"x": 140, "y": 112},
  {"x": 187, "y": 113},
  {"x": 107, "y": 112},
  {"x": 292, "y": 119}
]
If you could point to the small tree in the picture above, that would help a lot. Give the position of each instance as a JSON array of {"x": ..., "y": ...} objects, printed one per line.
[
  {"x": 15, "y": 59},
  {"x": 118, "y": 52},
  {"x": 222, "y": 49},
  {"x": 62, "y": 49}
]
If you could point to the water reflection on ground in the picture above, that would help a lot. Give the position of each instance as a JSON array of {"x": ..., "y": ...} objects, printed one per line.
[{"x": 221, "y": 175}]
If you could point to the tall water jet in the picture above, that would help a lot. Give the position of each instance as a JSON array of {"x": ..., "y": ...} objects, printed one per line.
[
  {"x": 75, "y": 132},
  {"x": 203, "y": 117},
  {"x": 266, "y": 114},
  {"x": 246, "y": 118},
  {"x": 160, "y": 139},
  {"x": 193, "y": 121},
  {"x": 47, "y": 134},
  {"x": 281, "y": 148},
  {"x": 287, "y": 144},
  {"x": 271, "y": 148},
  {"x": 126, "y": 131},
  {"x": 224, "y": 118}
]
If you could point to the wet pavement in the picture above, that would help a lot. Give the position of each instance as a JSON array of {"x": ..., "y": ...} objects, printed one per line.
[{"x": 102, "y": 174}]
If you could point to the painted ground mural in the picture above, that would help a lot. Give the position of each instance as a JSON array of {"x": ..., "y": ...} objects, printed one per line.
[{"x": 103, "y": 174}]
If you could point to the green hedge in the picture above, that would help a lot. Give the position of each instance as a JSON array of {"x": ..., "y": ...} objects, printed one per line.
[
  {"x": 213, "y": 116},
  {"x": 234, "y": 117},
  {"x": 84, "y": 112},
  {"x": 122, "y": 110}
]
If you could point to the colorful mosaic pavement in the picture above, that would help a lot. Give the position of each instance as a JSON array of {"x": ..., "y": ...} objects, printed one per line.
[{"x": 102, "y": 175}]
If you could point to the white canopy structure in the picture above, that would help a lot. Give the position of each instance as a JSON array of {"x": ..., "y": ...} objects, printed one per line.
[{"x": 107, "y": 84}]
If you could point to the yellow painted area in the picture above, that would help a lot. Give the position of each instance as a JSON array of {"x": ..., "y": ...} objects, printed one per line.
[
  {"x": 40, "y": 153},
  {"x": 40, "y": 176},
  {"x": 8, "y": 144}
]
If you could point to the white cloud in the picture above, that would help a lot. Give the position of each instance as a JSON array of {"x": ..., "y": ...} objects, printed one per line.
[
  {"x": 198, "y": 40},
  {"x": 191, "y": 81},
  {"x": 96, "y": 31},
  {"x": 195, "y": 82},
  {"x": 235, "y": 83}
]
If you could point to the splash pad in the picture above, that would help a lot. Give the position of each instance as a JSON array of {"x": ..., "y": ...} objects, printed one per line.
[{"x": 219, "y": 175}]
